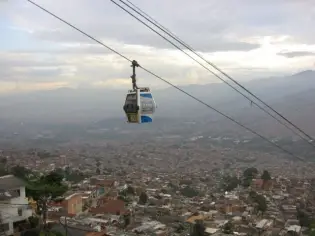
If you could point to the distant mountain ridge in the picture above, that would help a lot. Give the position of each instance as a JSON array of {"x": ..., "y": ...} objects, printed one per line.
[{"x": 293, "y": 96}]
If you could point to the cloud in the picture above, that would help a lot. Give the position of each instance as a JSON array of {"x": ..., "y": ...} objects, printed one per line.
[
  {"x": 210, "y": 26},
  {"x": 117, "y": 25},
  {"x": 245, "y": 38},
  {"x": 296, "y": 54},
  {"x": 209, "y": 42}
]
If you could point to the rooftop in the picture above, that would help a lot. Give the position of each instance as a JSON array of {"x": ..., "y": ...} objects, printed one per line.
[{"x": 8, "y": 182}]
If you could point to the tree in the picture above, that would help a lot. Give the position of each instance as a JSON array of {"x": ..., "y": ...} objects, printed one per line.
[
  {"x": 265, "y": 176},
  {"x": 252, "y": 194},
  {"x": 98, "y": 172},
  {"x": 199, "y": 229},
  {"x": 59, "y": 234},
  {"x": 246, "y": 182},
  {"x": 312, "y": 224},
  {"x": 70, "y": 175},
  {"x": 34, "y": 221},
  {"x": 230, "y": 183},
  {"x": 303, "y": 218},
  {"x": 173, "y": 186},
  {"x": 60, "y": 171},
  {"x": 205, "y": 208},
  {"x": 189, "y": 192},
  {"x": 250, "y": 172},
  {"x": 260, "y": 200},
  {"x": 126, "y": 220},
  {"x": 228, "y": 228},
  {"x": 47, "y": 186},
  {"x": 262, "y": 204},
  {"x": 43, "y": 154},
  {"x": 67, "y": 170},
  {"x": 3, "y": 171},
  {"x": 55, "y": 233},
  {"x": 3, "y": 161},
  {"x": 85, "y": 206},
  {"x": 143, "y": 198},
  {"x": 312, "y": 228},
  {"x": 130, "y": 190},
  {"x": 179, "y": 228},
  {"x": 186, "y": 182},
  {"x": 122, "y": 198},
  {"x": 21, "y": 172},
  {"x": 123, "y": 193},
  {"x": 52, "y": 178},
  {"x": 204, "y": 179},
  {"x": 31, "y": 232},
  {"x": 164, "y": 191},
  {"x": 248, "y": 176},
  {"x": 75, "y": 176}
]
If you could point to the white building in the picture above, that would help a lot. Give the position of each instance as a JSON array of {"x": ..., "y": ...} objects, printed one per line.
[{"x": 13, "y": 202}]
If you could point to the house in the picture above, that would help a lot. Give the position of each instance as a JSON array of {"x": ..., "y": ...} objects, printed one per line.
[
  {"x": 103, "y": 182},
  {"x": 73, "y": 204},
  {"x": 260, "y": 184},
  {"x": 101, "y": 186},
  {"x": 103, "y": 200},
  {"x": 114, "y": 207},
  {"x": 14, "y": 206}
]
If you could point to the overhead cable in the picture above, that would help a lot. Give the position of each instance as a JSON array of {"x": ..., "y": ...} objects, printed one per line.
[
  {"x": 169, "y": 83},
  {"x": 168, "y": 32}
]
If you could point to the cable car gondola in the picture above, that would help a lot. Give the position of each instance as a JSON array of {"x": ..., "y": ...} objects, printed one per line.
[{"x": 139, "y": 104}]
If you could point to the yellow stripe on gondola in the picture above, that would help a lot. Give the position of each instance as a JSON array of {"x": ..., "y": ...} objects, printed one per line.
[{"x": 132, "y": 117}]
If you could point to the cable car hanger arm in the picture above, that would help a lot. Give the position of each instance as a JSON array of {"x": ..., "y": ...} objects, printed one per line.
[{"x": 134, "y": 64}]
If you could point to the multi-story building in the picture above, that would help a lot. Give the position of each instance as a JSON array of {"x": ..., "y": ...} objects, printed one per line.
[{"x": 14, "y": 206}]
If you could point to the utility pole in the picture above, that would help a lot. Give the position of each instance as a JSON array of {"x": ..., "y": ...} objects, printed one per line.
[
  {"x": 44, "y": 200},
  {"x": 44, "y": 214},
  {"x": 2, "y": 227},
  {"x": 66, "y": 226}
]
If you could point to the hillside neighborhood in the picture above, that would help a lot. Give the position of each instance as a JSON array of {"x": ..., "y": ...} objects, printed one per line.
[{"x": 155, "y": 203}]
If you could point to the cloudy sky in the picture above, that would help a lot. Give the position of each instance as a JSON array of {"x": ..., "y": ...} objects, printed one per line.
[{"x": 248, "y": 39}]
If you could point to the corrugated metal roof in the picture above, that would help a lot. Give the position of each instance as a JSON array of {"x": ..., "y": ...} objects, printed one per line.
[
  {"x": 294, "y": 228},
  {"x": 211, "y": 230},
  {"x": 261, "y": 223},
  {"x": 10, "y": 182}
]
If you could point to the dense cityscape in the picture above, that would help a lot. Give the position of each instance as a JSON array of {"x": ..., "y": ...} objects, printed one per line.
[
  {"x": 173, "y": 188},
  {"x": 113, "y": 125}
]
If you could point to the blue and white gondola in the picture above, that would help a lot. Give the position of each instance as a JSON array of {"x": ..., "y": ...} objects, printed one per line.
[{"x": 139, "y": 106}]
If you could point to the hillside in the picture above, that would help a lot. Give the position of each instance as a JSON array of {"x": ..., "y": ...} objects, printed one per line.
[{"x": 292, "y": 96}]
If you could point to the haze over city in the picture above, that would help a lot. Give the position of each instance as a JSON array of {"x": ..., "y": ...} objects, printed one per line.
[{"x": 213, "y": 161}]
